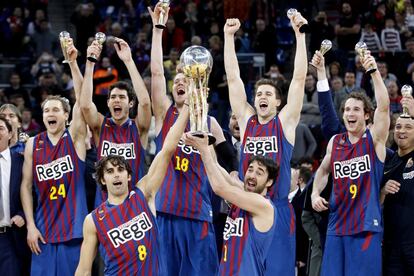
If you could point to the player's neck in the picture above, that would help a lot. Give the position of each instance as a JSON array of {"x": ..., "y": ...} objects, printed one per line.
[
  {"x": 265, "y": 119},
  {"x": 120, "y": 122},
  {"x": 402, "y": 152},
  {"x": 14, "y": 139},
  {"x": 354, "y": 136},
  {"x": 179, "y": 107},
  {"x": 116, "y": 200},
  {"x": 54, "y": 137}
]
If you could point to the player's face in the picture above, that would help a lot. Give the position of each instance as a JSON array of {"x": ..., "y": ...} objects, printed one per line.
[
  {"x": 12, "y": 118},
  {"x": 256, "y": 178},
  {"x": 118, "y": 104},
  {"x": 54, "y": 116},
  {"x": 354, "y": 116},
  {"x": 116, "y": 179},
  {"x": 265, "y": 101},
  {"x": 404, "y": 133},
  {"x": 234, "y": 126},
  {"x": 5, "y": 136},
  {"x": 179, "y": 86}
]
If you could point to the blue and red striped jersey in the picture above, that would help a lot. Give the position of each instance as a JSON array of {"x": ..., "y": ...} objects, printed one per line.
[
  {"x": 58, "y": 178},
  {"x": 356, "y": 173},
  {"x": 268, "y": 139},
  {"x": 244, "y": 248},
  {"x": 123, "y": 140},
  {"x": 185, "y": 191},
  {"x": 127, "y": 234}
]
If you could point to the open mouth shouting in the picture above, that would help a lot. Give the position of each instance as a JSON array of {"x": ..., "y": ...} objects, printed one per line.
[
  {"x": 117, "y": 183},
  {"x": 117, "y": 111},
  {"x": 52, "y": 122},
  {"x": 251, "y": 185},
  {"x": 180, "y": 92},
  {"x": 263, "y": 106},
  {"x": 352, "y": 122}
]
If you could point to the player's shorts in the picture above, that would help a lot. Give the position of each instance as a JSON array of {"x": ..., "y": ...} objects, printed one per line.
[
  {"x": 56, "y": 259},
  {"x": 188, "y": 246},
  {"x": 353, "y": 255},
  {"x": 281, "y": 257}
]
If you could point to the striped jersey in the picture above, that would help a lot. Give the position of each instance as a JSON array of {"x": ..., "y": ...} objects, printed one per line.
[
  {"x": 123, "y": 140},
  {"x": 127, "y": 235},
  {"x": 356, "y": 173},
  {"x": 268, "y": 139},
  {"x": 244, "y": 247},
  {"x": 58, "y": 178},
  {"x": 185, "y": 191}
]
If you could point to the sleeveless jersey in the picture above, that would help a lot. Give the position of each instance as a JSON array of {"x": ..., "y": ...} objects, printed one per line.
[
  {"x": 121, "y": 140},
  {"x": 268, "y": 139},
  {"x": 127, "y": 234},
  {"x": 58, "y": 178},
  {"x": 185, "y": 191},
  {"x": 244, "y": 248},
  {"x": 356, "y": 173}
]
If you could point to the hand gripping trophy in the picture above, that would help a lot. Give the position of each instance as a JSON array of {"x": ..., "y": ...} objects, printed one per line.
[
  {"x": 303, "y": 27},
  {"x": 326, "y": 45},
  {"x": 64, "y": 40},
  {"x": 164, "y": 5},
  {"x": 406, "y": 91},
  {"x": 361, "y": 49},
  {"x": 100, "y": 38},
  {"x": 196, "y": 64}
]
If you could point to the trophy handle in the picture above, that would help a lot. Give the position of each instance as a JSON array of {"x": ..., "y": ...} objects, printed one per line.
[{"x": 200, "y": 134}]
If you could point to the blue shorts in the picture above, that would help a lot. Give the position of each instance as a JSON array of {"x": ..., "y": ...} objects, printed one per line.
[
  {"x": 353, "y": 255},
  {"x": 188, "y": 246},
  {"x": 281, "y": 257},
  {"x": 56, "y": 258}
]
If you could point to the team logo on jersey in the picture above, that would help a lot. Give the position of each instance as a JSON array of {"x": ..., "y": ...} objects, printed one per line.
[
  {"x": 134, "y": 229},
  {"x": 410, "y": 163},
  {"x": 409, "y": 175},
  {"x": 55, "y": 169},
  {"x": 352, "y": 168},
  {"x": 186, "y": 148},
  {"x": 233, "y": 227},
  {"x": 126, "y": 150},
  {"x": 101, "y": 214},
  {"x": 260, "y": 145}
]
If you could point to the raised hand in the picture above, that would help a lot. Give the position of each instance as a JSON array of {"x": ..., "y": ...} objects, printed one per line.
[
  {"x": 368, "y": 61},
  {"x": 318, "y": 61},
  {"x": 94, "y": 49},
  {"x": 123, "y": 50},
  {"x": 296, "y": 21},
  {"x": 232, "y": 26},
  {"x": 155, "y": 14},
  {"x": 72, "y": 51}
]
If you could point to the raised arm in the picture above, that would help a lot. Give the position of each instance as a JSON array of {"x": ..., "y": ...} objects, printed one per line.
[
  {"x": 74, "y": 69},
  {"x": 93, "y": 118},
  {"x": 290, "y": 114},
  {"x": 331, "y": 124},
  {"x": 320, "y": 181},
  {"x": 160, "y": 100},
  {"x": 26, "y": 196},
  {"x": 150, "y": 183},
  {"x": 381, "y": 125},
  {"x": 88, "y": 249},
  {"x": 143, "y": 119},
  {"x": 238, "y": 99}
]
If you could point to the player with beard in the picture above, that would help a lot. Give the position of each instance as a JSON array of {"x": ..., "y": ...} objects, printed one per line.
[
  {"x": 356, "y": 160},
  {"x": 118, "y": 134},
  {"x": 125, "y": 226},
  {"x": 265, "y": 131},
  {"x": 54, "y": 163},
  {"x": 250, "y": 224},
  {"x": 184, "y": 200}
]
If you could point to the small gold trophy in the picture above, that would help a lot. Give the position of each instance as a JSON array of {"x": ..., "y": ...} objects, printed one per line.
[
  {"x": 361, "y": 49},
  {"x": 326, "y": 45},
  {"x": 100, "y": 37},
  {"x": 196, "y": 65},
  {"x": 303, "y": 27},
  {"x": 64, "y": 40},
  {"x": 406, "y": 91},
  {"x": 164, "y": 5}
]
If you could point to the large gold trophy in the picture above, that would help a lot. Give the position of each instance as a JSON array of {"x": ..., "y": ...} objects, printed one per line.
[
  {"x": 196, "y": 62},
  {"x": 64, "y": 40}
]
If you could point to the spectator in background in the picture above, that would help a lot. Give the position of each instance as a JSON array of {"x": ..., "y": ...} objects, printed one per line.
[
  {"x": 409, "y": 16},
  {"x": 347, "y": 29},
  {"x": 170, "y": 66},
  {"x": 18, "y": 101},
  {"x": 395, "y": 97},
  {"x": 370, "y": 38},
  {"x": 141, "y": 51},
  {"x": 334, "y": 70},
  {"x": 45, "y": 41},
  {"x": 385, "y": 75},
  {"x": 127, "y": 17},
  {"x": 263, "y": 39},
  {"x": 15, "y": 32},
  {"x": 190, "y": 24},
  {"x": 29, "y": 125},
  {"x": 310, "y": 89},
  {"x": 402, "y": 27},
  {"x": 34, "y": 26},
  {"x": 337, "y": 84},
  {"x": 320, "y": 29},
  {"x": 173, "y": 37},
  {"x": 103, "y": 78},
  {"x": 46, "y": 63},
  {"x": 16, "y": 89},
  {"x": 118, "y": 31},
  {"x": 242, "y": 41},
  {"x": 13, "y": 116},
  {"x": 305, "y": 144},
  {"x": 390, "y": 37},
  {"x": 349, "y": 81}
]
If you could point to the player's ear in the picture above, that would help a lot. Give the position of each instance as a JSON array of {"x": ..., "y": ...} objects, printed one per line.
[{"x": 129, "y": 177}]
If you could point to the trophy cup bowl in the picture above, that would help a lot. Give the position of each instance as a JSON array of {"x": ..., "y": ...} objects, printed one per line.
[
  {"x": 303, "y": 28},
  {"x": 100, "y": 38},
  {"x": 326, "y": 45},
  {"x": 406, "y": 91},
  {"x": 64, "y": 38},
  {"x": 164, "y": 5},
  {"x": 361, "y": 49},
  {"x": 196, "y": 65}
]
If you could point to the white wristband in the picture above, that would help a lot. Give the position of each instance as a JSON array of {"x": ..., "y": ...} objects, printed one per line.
[{"x": 322, "y": 85}]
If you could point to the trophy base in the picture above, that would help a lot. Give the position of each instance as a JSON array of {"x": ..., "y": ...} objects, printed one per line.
[
  {"x": 371, "y": 70},
  {"x": 66, "y": 61},
  {"x": 304, "y": 28},
  {"x": 200, "y": 134},
  {"x": 92, "y": 59},
  {"x": 160, "y": 26}
]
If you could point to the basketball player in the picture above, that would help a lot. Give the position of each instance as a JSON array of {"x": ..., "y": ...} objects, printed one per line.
[
  {"x": 125, "y": 225},
  {"x": 54, "y": 165},
  {"x": 118, "y": 134},
  {"x": 184, "y": 200},
  {"x": 356, "y": 160},
  {"x": 265, "y": 132}
]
